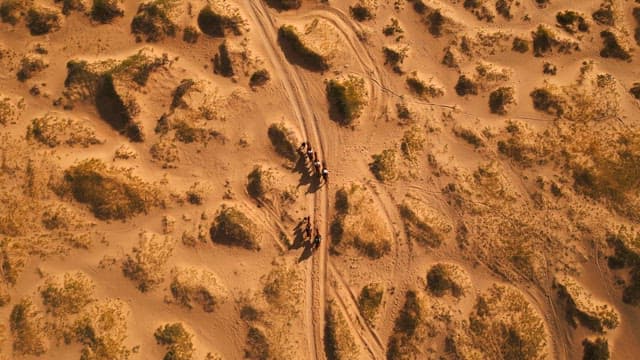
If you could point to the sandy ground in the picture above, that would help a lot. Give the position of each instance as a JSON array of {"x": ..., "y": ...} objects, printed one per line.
[{"x": 567, "y": 235}]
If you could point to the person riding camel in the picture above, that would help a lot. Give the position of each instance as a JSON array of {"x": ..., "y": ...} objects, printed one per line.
[
  {"x": 325, "y": 172},
  {"x": 307, "y": 229},
  {"x": 316, "y": 240},
  {"x": 316, "y": 165},
  {"x": 310, "y": 152}
]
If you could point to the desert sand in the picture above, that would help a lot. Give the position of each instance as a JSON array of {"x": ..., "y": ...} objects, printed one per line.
[{"x": 482, "y": 199}]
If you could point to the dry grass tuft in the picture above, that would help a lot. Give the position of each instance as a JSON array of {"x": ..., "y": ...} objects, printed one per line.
[
  {"x": 177, "y": 340},
  {"x": 105, "y": 11},
  {"x": 27, "y": 328},
  {"x": 52, "y": 130},
  {"x": 153, "y": 20},
  {"x": 447, "y": 278},
  {"x": 299, "y": 51},
  {"x": 421, "y": 224},
  {"x": 190, "y": 286},
  {"x": 145, "y": 265},
  {"x": 42, "y": 20},
  {"x": 67, "y": 296},
  {"x": 369, "y": 301},
  {"x": 579, "y": 305},
  {"x": 102, "y": 331},
  {"x": 385, "y": 165},
  {"x": 339, "y": 342},
  {"x": 217, "y": 20}
]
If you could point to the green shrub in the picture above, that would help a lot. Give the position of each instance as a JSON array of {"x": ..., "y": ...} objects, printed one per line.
[
  {"x": 346, "y": 99},
  {"x": 384, "y": 165},
  {"x": 30, "y": 67},
  {"x": 177, "y": 341},
  {"x": 572, "y": 21},
  {"x": 222, "y": 61},
  {"x": 152, "y": 20},
  {"x": 520, "y": 45},
  {"x": 545, "y": 100},
  {"x": 612, "y": 47},
  {"x": 234, "y": 228},
  {"x": 500, "y": 98},
  {"x": 104, "y": 11},
  {"x": 285, "y": 4},
  {"x": 42, "y": 21},
  {"x": 595, "y": 350},
  {"x": 635, "y": 90},
  {"x": 259, "y": 78},
  {"x": 68, "y": 297},
  {"x": 369, "y": 301},
  {"x": 190, "y": 35},
  {"x": 12, "y": 10},
  {"x": 109, "y": 194},
  {"x": 283, "y": 141},
  {"x": 466, "y": 86},
  {"x": 217, "y": 24},
  {"x": 71, "y": 5},
  {"x": 27, "y": 329},
  {"x": 339, "y": 342},
  {"x": 118, "y": 112},
  {"x": 543, "y": 41},
  {"x": 361, "y": 12},
  {"x": 604, "y": 15},
  {"x": 298, "y": 52}
]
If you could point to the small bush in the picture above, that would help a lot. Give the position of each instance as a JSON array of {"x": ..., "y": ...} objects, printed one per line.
[
  {"x": 152, "y": 20},
  {"x": 257, "y": 345},
  {"x": 30, "y": 67},
  {"x": 520, "y": 45},
  {"x": 440, "y": 280},
  {"x": 117, "y": 110},
  {"x": 26, "y": 328},
  {"x": 500, "y": 99},
  {"x": 234, "y": 228},
  {"x": 636, "y": 16},
  {"x": 259, "y": 183},
  {"x": 422, "y": 89},
  {"x": 384, "y": 166},
  {"x": 466, "y": 86},
  {"x": 545, "y": 100},
  {"x": 595, "y": 350},
  {"x": 222, "y": 61},
  {"x": 503, "y": 7},
  {"x": 408, "y": 329},
  {"x": 393, "y": 28},
  {"x": 543, "y": 41},
  {"x": 177, "y": 341},
  {"x": 285, "y": 4},
  {"x": 298, "y": 52},
  {"x": 412, "y": 142},
  {"x": 71, "y": 5},
  {"x": 339, "y": 342},
  {"x": 190, "y": 286},
  {"x": 42, "y": 21},
  {"x": 572, "y": 21},
  {"x": 418, "y": 228},
  {"x": 53, "y": 131},
  {"x": 217, "y": 24},
  {"x": 109, "y": 194},
  {"x": 102, "y": 331},
  {"x": 190, "y": 35},
  {"x": 259, "y": 78},
  {"x": 346, "y": 99},
  {"x": 145, "y": 264},
  {"x": 612, "y": 47},
  {"x": 549, "y": 69},
  {"x": 361, "y": 12},
  {"x": 177, "y": 99},
  {"x": 104, "y": 11},
  {"x": 394, "y": 57},
  {"x": 435, "y": 21},
  {"x": 283, "y": 141},
  {"x": 12, "y": 10},
  {"x": 369, "y": 301},
  {"x": 68, "y": 297},
  {"x": 604, "y": 15},
  {"x": 635, "y": 91}
]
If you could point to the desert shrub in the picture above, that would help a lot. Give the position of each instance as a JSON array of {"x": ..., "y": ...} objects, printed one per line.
[
  {"x": 403, "y": 111},
  {"x": 259, "y": 183},
  {"x": 635, "y": 91},
  {"x": 543, "y": 41},
  {"x": 116, "y": 110},
  {"x": 394, "y": 56},
  {"x": 189, "y": 286},
  {"x": 384, "y": 165},
  {"x": 361, "y": 12},
  {"x": 12, "y": 10},
  {"x": 604, "y": 15},
  {"x": 500, "y": 99},
  {"x": 440, "y": 280},
  {"x": 177, "y": 340},
  {"x": 71, "y": 5},
  {"x": 435, "y": 21},
  {"x": 283, "y": 141},
  {"x": 234, "y": 228},
  {"x": 369, "y": 301},
  {"x": 153, "y": 20},
  {"x": 282, "y": 289},
  {"x": 42, "y": 21},
  {"x": 612, "y": 47},
  {"x": 418, "y": 228},
  {"x": 285, "y": 4},
  {"x": 258, "y": 347},
  {"x": 259, "y": 78},
  {"x": 68, "y": 297},
  {"x": 409, "y": 328},
  {"x": 346, "y": 99},
  {"x": 222, "y": 63},
  {"x": 298, "y": 52},
  {"x": 190, "y": 34},
  {"x": 177, "y": 97},
  {"x": 52, "y": 131},
  {"x": 217, "y": 24},
  {"x": 109, "y": 194},
  {"x": 545, "y": 100},
  {"x": 392, "y": 28},
  {"x": 478, "y": 9},
  {"x": 104, "y": 11},
  {"x": 466, "y": 86},
  {"x": 30, "y": 67},
  {"x": 339, "y": 342},
  {"x": 412, "y": 142},
  {"x": 8, "y": 110},
  {"x": 27, "y": 329},
  {"x": 102, "y": 331},
  {"x": 549, "y": 69},
  {"x": 196, "y": 194},
  {"x": 422, "y": 89},
  {"x": 145, "y": 265},
  {"x": 572, "y": 21},
  {"x": 636, "y": 16},
  {"x": 595, "y": 350},
  {"x": 503, "y": 7},
  {"x": 520, "y": 45}
]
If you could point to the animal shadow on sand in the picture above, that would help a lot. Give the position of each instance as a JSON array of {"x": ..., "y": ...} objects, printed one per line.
[{"x": 307, "y": 177}]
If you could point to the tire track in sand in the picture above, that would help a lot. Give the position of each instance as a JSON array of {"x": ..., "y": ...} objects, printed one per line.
[{"x": 308, "y": 123}]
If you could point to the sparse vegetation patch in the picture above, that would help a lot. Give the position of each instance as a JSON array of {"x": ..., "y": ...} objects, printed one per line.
[
  {"x": 145, "y": 265},
  {"x": 466, "y": 86},
  {"x": 232, "y": 227},
  {"x": 421, "y": 228},
  {"x": 27, "y": 329},
  {"x": 177, "y": 340},
  {"x": 446, "y": 278},
  {"x": 385, "y": 165},
  {"x": 361, "y": 11},
  {"x": 339, "y": 342},
  {"x": 191, "y": 286},
  {"x": 298, "y": 51},
  {"x": 105, "y": 11},
  {"x": 153, "y": 20},
  {"x": 42, "y": 20},
  {"x": 217, "y": 23},
  {"x": 29, "y": 67},
  {"x": 422, "y": 88},
  {"x": 52, "y": 131},
  {"x": 579, "y": 305},
  {"x": 500, "y": 99},
  {"x": 369, "y": 301},
  {"x": 572, "y": 21},
  {"x": 11, "y": 11}
]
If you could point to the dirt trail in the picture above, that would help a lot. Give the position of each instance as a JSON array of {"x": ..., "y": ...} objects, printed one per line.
[{"x": 307, "y": 120}]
